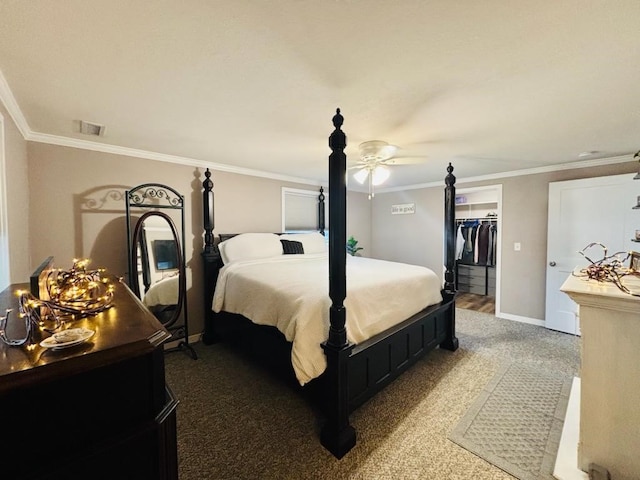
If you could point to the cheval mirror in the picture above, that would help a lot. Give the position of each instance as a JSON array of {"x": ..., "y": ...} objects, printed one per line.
[{"x": 156, "y": 252}]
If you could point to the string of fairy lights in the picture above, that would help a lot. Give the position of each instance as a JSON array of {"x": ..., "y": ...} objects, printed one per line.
[
  {"x": 610, "y": 268},
  {"x": 69, "y": 295}
]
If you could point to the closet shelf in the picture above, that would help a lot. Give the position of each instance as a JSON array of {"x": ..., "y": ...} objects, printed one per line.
[
  {"x": 488, "y": 202},
  {"x": 491, "y": 217}
]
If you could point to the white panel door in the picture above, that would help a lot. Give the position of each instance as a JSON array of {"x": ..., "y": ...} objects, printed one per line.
[{"x": 582, "y": 212}]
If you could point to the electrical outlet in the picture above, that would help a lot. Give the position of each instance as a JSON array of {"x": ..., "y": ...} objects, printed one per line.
[{"x": 516, "y": 246}]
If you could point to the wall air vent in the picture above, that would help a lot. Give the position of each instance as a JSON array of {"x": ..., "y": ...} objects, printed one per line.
[{"x": 89, "y": 128}]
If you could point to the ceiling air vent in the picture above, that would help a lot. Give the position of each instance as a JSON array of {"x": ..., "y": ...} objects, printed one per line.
[{"x": 89, "y": 128}]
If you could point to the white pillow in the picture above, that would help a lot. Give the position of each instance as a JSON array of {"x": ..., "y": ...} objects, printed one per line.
[
  {"x": 311, "y": 242},
  {"x": 250, "y": 246}
]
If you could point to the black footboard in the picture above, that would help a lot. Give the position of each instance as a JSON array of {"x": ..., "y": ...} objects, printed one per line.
[{"x": 378, "y": 361}]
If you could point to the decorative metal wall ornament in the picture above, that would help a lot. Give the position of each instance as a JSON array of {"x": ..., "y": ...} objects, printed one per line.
[
  {"x": 144, "y": 195},
  {"x": 70, "y": 294},
  {"x": 610, "y": 268}
]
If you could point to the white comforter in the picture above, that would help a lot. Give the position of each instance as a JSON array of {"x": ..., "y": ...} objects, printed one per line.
[
  {"x": 291, "y": 292},
  {"x": 163, "y": 292}
]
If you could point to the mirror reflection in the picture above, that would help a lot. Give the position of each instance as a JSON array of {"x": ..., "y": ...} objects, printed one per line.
[{"x": 158, "y": 263}]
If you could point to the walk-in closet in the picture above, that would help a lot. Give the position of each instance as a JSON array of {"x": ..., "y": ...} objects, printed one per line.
[{"x": 477, "y": 247}]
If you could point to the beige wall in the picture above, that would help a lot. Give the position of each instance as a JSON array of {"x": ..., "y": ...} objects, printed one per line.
[
  {"x": 359, "y": 220},
  {"x": 418, "y": 238},
  {"x": 17, "y": 182},
  {"x": 413, "y": 238},
  {"x": 78, "y": 210}
]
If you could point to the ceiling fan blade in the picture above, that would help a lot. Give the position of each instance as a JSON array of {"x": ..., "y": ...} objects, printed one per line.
[
  {"x": 408, "y": 160},
  {"x": 388, "y": 152},
  {"x": 485, "y": 159}
]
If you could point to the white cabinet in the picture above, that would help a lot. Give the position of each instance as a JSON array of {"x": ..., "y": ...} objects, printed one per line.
[{"x": 610, "y": 376}]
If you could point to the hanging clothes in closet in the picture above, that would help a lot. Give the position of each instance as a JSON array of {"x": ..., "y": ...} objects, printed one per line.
[
  {"x": 476, "y": 242},
  {"x": 492, "y": 248}
]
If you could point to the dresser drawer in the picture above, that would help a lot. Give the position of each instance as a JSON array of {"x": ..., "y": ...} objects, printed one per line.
[
  {"x": 473, "y": 278},
  {"x": 474, "y": 281},
  {"x": 480, "y": 290},
  {"x": 472, "y": 271}
]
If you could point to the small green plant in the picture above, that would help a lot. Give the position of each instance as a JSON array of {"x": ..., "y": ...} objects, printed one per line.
[{"x": 352, "y": 246}]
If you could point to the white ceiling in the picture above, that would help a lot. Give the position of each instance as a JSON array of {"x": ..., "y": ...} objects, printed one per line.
[{"x": 491, "y": 86}]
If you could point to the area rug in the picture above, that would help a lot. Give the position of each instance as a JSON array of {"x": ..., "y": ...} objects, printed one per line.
[{"x": 516, "y": 422}]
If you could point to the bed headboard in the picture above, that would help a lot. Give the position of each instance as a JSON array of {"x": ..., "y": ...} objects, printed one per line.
[
  {"x": 209, "y": 216},
  {"x": 210, "y": 253}
]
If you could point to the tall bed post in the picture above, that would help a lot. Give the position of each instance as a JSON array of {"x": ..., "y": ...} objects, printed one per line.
[
  {"x": 321, "y": 225},
  {"x": 449, "y": 231},
  {"x": 337, "y": 435},
  {"x": 207, "y": 211},
  {"x": 211, "y": 257},
  {"x": 449, "y": 290}
]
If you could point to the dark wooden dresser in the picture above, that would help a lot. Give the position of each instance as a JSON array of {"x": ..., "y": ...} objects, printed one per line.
[{"x": 99, "y": 410}]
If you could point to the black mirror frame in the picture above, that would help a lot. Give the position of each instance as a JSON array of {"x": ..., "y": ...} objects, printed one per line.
[{"x": 152, "y": 198}]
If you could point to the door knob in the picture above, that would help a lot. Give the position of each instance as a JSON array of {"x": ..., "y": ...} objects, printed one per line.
[{"x": 552, "y": 264}]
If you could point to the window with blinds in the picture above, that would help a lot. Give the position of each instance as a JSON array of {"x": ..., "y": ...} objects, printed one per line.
[{"x": 300, "y": 210}]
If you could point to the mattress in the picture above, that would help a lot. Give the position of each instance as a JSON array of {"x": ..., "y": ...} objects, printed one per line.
[{"x": 291, "y": 293}]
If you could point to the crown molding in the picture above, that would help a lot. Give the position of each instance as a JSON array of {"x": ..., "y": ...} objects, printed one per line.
[
  {"x": 597, "y": 162},
  {"x": 9, "y": 101},
  {"x": 162, "y": 157}
]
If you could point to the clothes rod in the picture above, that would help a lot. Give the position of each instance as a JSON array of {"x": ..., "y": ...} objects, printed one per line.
[{"x": 462, "y": 219}]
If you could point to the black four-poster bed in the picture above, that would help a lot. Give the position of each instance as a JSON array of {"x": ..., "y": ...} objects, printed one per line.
[{"x": 354, "y": 373}]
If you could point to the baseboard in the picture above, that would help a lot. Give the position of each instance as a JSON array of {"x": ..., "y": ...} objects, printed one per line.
[
  {"x": 192, "y": 339},
  {"x": 518, "y": 318},
  {"x": 566, "y": 467}
]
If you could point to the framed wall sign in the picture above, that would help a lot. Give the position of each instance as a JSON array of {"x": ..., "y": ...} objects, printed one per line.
[{"x": 403, "y": 209}]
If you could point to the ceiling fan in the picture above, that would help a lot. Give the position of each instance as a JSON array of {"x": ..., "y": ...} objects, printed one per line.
[{"x": 375, "y": 158}]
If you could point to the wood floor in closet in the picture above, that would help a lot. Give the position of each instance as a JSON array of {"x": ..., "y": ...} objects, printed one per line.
[{"x": 478, "y": 303}]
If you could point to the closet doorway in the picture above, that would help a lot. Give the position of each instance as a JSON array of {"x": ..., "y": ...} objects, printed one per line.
[{"x": 478, "y": 248}]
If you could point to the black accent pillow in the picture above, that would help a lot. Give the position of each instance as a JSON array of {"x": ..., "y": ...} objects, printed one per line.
[{"x": 291, "y": 247}]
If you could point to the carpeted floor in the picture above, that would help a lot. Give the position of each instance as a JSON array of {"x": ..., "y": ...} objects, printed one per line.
[{"x": 237, "y": 422}]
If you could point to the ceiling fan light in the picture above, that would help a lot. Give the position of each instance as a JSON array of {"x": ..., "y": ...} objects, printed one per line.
[
  {"x": 380, "y": 175},
  {"x": 361, "y": 175}
]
